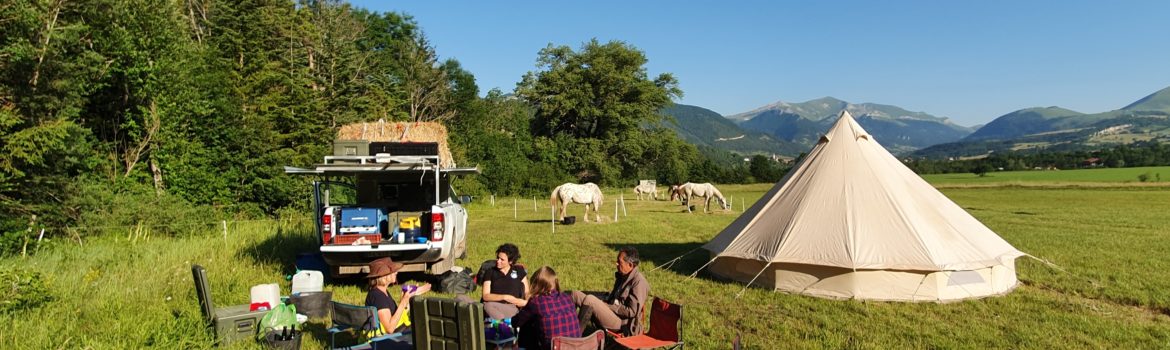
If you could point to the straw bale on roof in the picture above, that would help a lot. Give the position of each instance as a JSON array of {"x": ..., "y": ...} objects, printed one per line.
[{"x": 383, "y": 131}]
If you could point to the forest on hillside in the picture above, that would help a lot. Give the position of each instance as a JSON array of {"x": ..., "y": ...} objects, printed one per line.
[{"x": 120, "y": 113}]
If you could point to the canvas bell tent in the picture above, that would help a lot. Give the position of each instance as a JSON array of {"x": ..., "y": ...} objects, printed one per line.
[{"x": 851, "y": 221}]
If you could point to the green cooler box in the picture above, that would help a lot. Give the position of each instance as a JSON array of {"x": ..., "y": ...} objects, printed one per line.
[{"x": 232, "y": 323}]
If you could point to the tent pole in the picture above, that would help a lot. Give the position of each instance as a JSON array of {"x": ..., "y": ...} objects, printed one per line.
[
  {"x": 749, "y": 284},
  {"x": 702, "y": 267},
  {"x": 671, "y": 262}
]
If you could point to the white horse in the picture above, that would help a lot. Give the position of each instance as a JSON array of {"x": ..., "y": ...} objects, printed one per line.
[
  {"x": 705, "y": 190},
  {"x": 587, "y": 194},
  {"x": 646, "y": 189}
]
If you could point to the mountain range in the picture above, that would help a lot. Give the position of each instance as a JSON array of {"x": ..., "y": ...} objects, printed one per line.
[
  {"x": 787, "y": 129},
  {"x": 1058, "y": 129}
]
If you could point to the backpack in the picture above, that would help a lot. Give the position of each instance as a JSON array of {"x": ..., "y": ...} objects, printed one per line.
[{"x": 457, "y": 281}]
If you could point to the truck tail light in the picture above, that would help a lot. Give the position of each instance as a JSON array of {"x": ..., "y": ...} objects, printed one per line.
[
  {"x": 437, "y": 227},
  {"x": 326, "y": 227}
]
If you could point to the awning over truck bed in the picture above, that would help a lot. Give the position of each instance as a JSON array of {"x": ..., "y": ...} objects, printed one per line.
[
  {"x": 354, "y": 170},
  {"x": 352, "y": 165}
]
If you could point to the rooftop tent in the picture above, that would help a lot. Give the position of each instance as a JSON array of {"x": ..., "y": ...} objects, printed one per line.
[{"x": 851, "y": 221}]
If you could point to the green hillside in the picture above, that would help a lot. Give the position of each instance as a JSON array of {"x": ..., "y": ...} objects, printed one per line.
[
  {"x": 1158, "y": 101},
  {"x": 1122, "y": 128},
  {"x": 704, "y": 127},
  {"x": 1058, "y": 129},
  {"x": 1022, "y": 122}
]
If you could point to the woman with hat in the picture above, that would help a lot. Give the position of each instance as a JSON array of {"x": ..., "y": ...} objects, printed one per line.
[{"x": 383, "y": 273}]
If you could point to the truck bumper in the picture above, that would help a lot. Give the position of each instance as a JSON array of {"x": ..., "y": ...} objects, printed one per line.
[{"x": 414, "y": 256}]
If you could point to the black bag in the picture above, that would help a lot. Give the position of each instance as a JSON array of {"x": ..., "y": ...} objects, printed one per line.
[
  {"x": 481, "y": 275},
  {"x": 289, "y": 339},
  {"x": 457, "y": 282}
]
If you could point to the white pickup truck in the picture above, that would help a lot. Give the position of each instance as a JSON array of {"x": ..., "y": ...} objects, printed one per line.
[{"x": 361, "y": 202}]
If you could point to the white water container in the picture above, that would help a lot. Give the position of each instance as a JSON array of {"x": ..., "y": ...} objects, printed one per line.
[
  {"x": 307, "y": 281},
  {"x": 266, "y": 293}
]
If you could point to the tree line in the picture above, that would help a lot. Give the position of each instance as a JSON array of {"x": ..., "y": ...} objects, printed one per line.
[
  {"x": 164, "y": 115},
  {"x": 1138, "y": 154}
]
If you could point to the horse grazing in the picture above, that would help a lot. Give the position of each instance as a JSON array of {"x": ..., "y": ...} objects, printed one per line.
[
  {"x": 646, "y": 188},
  {"x": 705, "y": 190},
  {"x": 587, "y": 194}
]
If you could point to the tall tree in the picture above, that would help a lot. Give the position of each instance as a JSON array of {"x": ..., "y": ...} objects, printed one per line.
[{"x": 594, "y": 104}]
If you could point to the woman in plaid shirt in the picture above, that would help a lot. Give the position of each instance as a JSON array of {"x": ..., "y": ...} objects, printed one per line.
[{"x": 549, "y": 312}]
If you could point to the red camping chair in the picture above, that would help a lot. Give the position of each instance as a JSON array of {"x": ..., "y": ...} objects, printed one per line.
[
  {"x": 665, "y": 328},
  {"x": 595, "y": 341}
]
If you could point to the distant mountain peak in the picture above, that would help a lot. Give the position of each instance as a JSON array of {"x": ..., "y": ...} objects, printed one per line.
[
  {"x": 803, "y": 123},
  {"x": 1157, "y": 101}
]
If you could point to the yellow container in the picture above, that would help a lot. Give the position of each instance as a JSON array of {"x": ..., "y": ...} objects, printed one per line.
[{"x": 409, "y": 223}]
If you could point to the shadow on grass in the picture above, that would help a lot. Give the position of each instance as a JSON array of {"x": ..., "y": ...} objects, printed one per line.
[
  {"x": 668, "y": 256},
  {"x": 281, "y": 248}
]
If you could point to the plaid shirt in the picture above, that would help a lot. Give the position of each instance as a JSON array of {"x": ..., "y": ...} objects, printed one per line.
[{"x": 555, "y": 314}]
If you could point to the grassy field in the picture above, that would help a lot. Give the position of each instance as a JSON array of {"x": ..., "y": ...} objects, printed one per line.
[
  {"x": 1109, "y": 290},
  {"x": 1156, "y": 176}
]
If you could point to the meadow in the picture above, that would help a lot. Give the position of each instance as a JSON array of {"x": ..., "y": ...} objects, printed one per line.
[
  {"x": 1105, "y": 286},
  {"x": 1107, "y": 177}
]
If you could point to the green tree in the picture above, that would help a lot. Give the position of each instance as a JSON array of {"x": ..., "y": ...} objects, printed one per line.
[
  {"x": 593, "y": 105},
  {"x": 981, "y": 169}
]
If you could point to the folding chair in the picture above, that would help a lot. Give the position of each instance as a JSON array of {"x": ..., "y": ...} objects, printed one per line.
[
  {"x": 595, "y": 341},
  {"x": 665, "y": 328},
  {"x": 363, "y": 320}
]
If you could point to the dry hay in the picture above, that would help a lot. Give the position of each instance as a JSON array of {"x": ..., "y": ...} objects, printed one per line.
[{"x": 382, "y": 131}]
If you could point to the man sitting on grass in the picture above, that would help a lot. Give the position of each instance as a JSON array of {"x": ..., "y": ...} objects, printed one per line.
[{"x": 621, "y": 310}]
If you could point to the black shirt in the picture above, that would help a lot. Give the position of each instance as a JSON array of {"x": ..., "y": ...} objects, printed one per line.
[
  {"x": 510, "y": 284},
  {"x": 380, "y": 300}
]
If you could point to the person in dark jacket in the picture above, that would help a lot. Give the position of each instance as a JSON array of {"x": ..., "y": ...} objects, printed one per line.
[
  {"x": 621, "y": 310},
  {"x": 549, "y": 313},
  {"x": 505, "y": 287}
]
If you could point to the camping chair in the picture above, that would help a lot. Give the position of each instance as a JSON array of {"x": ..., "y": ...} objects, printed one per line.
[
  {"x": 595, "y": 341},
  {"x": 363, "y": 320},
  {"x": 665, "y": 328}
]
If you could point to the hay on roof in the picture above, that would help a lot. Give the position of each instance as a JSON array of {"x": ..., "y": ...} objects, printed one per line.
[{"x": 383, "y": 131}]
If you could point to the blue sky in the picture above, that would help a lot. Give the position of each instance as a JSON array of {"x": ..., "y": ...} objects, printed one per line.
[{"x": 971, "y": 61}]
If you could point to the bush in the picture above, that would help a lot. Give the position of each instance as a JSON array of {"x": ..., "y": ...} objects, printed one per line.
[
  {"x": 22, "y": 290},
  {"x": 104, "y": 209}
]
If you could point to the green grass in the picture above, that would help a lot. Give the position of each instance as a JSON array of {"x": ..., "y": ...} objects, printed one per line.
[
  {"x": 1110, "y": 242},
  {"x": 1063, "y": 178}
]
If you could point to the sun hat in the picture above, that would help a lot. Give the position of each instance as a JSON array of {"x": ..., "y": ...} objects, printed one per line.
[{"x": 382, "y": 267}]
